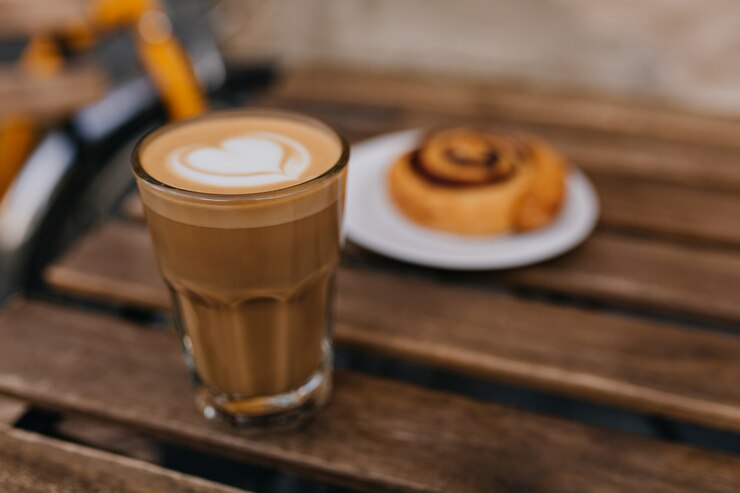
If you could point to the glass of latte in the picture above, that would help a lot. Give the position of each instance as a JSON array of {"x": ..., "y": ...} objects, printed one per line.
[{"x": 244, "y": 209}]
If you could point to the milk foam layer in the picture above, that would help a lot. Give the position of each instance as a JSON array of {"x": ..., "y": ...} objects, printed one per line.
[
  {"x": 229, "y": 156},
  {"x": 259, "y": 158},
  {"x": 231, "y": 153}
]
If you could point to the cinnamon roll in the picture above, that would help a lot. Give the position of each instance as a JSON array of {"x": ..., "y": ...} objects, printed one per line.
[{"x": 479, "y": 182}]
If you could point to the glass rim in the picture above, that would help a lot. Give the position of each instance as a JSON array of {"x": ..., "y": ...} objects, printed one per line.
[{"x": 141, "y": 173}]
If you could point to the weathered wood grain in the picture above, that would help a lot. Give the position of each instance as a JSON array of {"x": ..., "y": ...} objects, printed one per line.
[
  {"x": 374, "y": 435},
  {"x": 34, "y": 463},
  {"x": 11, "y": 409},
  {"x": 656, "y": 186},
  {"x": 611, "y": 268},
  {"x": 129, "y": 273},
  {"x": 665, "y": 210},
  {"x": 578, "y": 110},
  {"x": 649, "y": 143},
  {"x": 615, "y": 269},
  {"x": 591, "y": 355},
  {"x": 620, "y": 271}
]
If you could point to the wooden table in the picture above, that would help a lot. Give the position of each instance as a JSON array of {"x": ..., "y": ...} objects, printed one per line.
[{"x": 642, "y": 318}]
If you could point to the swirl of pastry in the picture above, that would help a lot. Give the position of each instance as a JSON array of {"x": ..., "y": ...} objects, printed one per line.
[
  {"x": 464, "y": 157},
  {"x": 479, "y": 182}
]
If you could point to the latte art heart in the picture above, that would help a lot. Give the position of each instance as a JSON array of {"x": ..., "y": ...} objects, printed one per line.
[{"x": 253, "y": 159}]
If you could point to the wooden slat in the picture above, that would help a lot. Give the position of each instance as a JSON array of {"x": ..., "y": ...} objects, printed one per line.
[
  {"x": 51, "y": 97},
  {"x": 620, "y": 271},
  {"x": 642, "y": 273},
  {"x": 658, "y": 209},
  {"x": 660, "y": 189},
  {"x": 375, "y": 434},
  {"x": 581, "y": 111},
  {"x": 693, "y": 281},
  {"x": 34, "y": 463},
  {"x": 360, "y": 109},
  {"x": 663, "y": 163},
  {"x": 617, "y": 360},
  {"x": 114, "y": 263},
  {"x": 11, "y": 409}
]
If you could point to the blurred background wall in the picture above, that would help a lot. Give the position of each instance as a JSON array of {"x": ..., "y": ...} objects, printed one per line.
[{"x": 681, "y": 50}]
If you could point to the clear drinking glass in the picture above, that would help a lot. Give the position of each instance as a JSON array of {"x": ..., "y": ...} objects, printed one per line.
[{"x": 250, "y": 278}]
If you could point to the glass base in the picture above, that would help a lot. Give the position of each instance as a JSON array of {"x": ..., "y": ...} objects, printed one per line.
[{"x": 268, "y": 413}]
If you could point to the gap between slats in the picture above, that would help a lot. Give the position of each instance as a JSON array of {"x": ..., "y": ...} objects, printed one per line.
[{"x": 31, "y": 462}]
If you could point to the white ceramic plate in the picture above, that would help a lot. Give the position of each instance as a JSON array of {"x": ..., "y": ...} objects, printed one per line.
[{"x": 374, "y": 222}]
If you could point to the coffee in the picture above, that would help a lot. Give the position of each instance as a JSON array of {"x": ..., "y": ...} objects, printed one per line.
[{"x": 244, "y": 210}]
